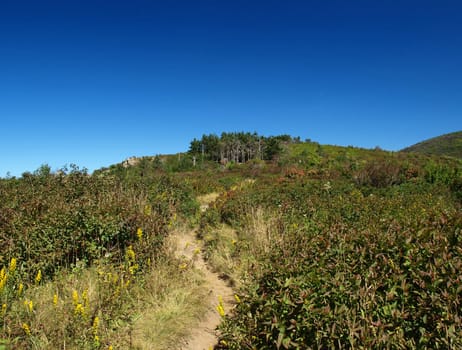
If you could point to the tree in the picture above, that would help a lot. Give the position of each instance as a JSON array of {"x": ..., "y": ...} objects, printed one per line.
[
  {"x": 195, "y": 147},
  {"x": 272, "y": 148},
  {"x": 238, "y": 147}
]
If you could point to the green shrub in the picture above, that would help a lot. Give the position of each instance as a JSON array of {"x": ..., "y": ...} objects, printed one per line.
[{"x": 348, "y": 270}]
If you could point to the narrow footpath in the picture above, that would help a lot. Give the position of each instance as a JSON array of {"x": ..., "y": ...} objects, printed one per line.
[{"x": 204, "y": 335}]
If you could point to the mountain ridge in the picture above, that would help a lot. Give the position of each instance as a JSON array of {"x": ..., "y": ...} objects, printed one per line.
[{"x": 444, "y": 145}]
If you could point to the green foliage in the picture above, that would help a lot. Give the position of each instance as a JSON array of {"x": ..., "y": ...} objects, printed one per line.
[
  {"x": 51, "y": 221},
  {"x": 333, "y": 247},
  {"x": 95, "y": 236},
  {"x": 272, "y": 148},
  {"x": 442, "y": 173},
  {"x": 350, "y": 266},
  {"x": 444, "y": 145},
  {"x": 239, "y": 147}
]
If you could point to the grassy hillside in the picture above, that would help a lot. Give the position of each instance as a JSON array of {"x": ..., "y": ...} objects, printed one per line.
[
  {"x": 444, "y": 145},
  {"x": 327, "y": 247}
]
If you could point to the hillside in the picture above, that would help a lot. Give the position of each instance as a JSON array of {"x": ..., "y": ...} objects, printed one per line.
[
  {"x": 444, "y": 145},
  {"x": 285, "y": 244}
]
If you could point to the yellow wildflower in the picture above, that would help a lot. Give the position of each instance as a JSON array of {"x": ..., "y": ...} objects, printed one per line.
[
  {"x": 29, "y": 304},
  {"x": 3, "y": 278},
  {"x": 38, "y": 278},
  {"x": 95, "y": 325},
  {"x": 236, "y": 297},
  {"x": 95, "y": 330},
  {"x": 79, "y": 310},
  {"x": 75, "y": 297},
  {"x": 139, "y": 234},
  {"x": 133, "y": 269},
  {"x": 183, "y": 266},
  {"x": 13, "y": 264},
  {"x": 26, "y": 328},
  {"x": 130, "y": 254},
  {"x": 221, "y": 310},
  {"x": 55, "y": 299},
  {"x": 110, "y": 347},
  {"x": 20, "y": 289}
]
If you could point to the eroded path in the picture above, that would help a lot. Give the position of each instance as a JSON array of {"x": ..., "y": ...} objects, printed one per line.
[{"x": 203, "y": 335}]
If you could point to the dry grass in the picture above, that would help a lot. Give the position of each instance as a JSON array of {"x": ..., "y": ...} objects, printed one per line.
[
  {"x": 153, "y": 311},
  {"x": 53, "y": 320},
  {"x": 259, "y": 232},
  {"x": 232, "y": 253},
  {"x": 221, "y": 258},
  {"x": 171, "y": 303},
  {"x": 206, "y": 199}
]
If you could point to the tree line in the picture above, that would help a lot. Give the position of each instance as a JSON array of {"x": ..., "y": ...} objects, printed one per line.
[{"x": 239, "y": 147}]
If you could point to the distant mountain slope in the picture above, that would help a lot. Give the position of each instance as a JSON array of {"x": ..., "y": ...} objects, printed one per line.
[{"x": 444, "y": 145}]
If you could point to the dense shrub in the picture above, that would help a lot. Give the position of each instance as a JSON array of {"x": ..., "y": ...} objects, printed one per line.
[
  {"x": 54, "y": 221},
  {"x": 380, "y": 173},
  {"x": 80, "y": 249},
  {"x": 348, "y": 270}
]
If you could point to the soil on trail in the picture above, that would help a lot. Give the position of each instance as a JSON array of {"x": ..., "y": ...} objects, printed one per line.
[{"x": 204, "y": 335}]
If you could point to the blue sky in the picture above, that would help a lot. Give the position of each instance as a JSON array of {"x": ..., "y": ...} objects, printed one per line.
[{"x": 94, "y": 82}]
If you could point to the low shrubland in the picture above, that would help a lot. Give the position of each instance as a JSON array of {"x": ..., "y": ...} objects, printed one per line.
[
  {"x": 327, "y": 247},
  {"x": 79, "y": 251},
  {"x": 340, "y": 264}
]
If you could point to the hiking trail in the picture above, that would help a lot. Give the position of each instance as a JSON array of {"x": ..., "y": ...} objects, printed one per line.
[{"x": 204, "y": 335}]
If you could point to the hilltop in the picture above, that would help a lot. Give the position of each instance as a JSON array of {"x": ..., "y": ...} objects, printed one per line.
[{"x": 444, "y": 145}]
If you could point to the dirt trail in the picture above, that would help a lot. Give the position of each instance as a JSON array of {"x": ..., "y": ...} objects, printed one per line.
[{"x": 204, "y": 335}]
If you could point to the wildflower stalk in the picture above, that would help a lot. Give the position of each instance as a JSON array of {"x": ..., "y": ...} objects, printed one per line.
[
  {"x": 12, "y": 266},
  {"x": 38, "y": 277},
  {"x": 220, "y": 308},
  {"x": 3, "y": 278},
  {"x": 95, "y": 327},
  {"x": 139, "y": 234}
]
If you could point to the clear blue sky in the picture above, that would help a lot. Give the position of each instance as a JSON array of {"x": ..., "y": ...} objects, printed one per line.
[{"x": 93, "y": 82}]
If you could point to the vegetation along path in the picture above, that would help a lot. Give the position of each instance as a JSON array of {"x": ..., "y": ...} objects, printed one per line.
[{"x": 220, "y": 295}]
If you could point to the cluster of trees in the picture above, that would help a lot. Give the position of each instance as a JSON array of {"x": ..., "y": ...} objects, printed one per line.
[{"x": 239, "y": 147}]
